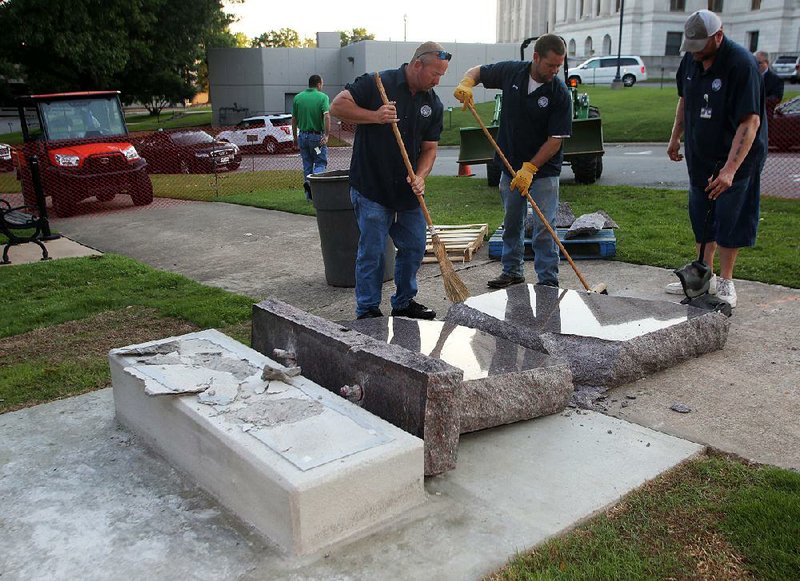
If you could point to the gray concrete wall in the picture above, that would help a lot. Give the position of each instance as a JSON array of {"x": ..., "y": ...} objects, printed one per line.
[{"x": 262, "y": 80}]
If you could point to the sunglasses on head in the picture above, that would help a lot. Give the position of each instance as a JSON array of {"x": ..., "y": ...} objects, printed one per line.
[{"x": 442, "y": 55}]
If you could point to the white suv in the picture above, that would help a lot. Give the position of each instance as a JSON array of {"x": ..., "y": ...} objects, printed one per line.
[
  {"x": 787, "y": 67},
  {"x": 270, "y": 133},
  {"x": 602, "y": 70}
]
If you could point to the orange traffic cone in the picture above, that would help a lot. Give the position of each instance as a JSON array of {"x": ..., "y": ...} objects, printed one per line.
[{"x": 464, "y": 170}]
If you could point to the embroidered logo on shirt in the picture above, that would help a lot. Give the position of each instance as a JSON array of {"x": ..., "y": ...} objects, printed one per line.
[
  {"x": 514, "y": 87},
  {"x": 425, "y": 111},
  {"x": 543, "y": 101},
  {"x": 716, "y": 84}
]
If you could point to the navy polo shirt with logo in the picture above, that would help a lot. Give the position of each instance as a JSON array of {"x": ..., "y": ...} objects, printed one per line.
[
  {"x": 528, "y": 120},
  {"x": 377, "y": 169},
  {"x": 714, "y": 103}
]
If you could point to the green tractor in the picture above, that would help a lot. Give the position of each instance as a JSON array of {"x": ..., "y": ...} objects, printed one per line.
[{"x": 583, "y": 150}]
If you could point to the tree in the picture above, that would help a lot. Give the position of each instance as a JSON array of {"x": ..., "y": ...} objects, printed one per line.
[
  {"x": 150, "y": 49},
  {"x": 284, "y": 38},
  {"x": 355, "y": 35}
]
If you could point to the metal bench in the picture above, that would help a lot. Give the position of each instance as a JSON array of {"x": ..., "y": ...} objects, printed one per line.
[{"x": 15, "y": 220}]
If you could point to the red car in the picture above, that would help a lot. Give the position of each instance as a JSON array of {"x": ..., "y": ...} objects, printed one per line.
[
  {"x": 784, "y": 125},
  {"x": 188, "y": 152}
]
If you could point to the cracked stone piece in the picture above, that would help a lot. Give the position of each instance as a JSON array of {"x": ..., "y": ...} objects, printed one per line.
[
  {"x": 609, "y": 223},
  {"x": 503, "y": 382},
  {"x": 681, "y": 408},
  {"x": 411, "y": 391},
  {"x": 564, "y": 215},
  {"x": 587, "y": 224},
  {"x": 607, "y": 340}
]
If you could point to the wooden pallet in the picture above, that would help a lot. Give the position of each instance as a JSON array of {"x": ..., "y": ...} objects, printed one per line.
[
  {"x": 600, "y": 245},
  {"x": 460, "y": 240}
]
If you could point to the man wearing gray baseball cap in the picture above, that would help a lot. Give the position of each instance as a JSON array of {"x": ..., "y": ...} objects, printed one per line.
[{"x": 722, "y": 117}]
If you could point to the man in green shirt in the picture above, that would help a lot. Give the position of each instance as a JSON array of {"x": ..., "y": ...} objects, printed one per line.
[{"x": 311, "y": 124}]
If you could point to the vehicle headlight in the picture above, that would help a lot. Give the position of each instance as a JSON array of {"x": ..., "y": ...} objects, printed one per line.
[
  {"x": 65, "y": 160},
  {"x": 130, "y": 153}
]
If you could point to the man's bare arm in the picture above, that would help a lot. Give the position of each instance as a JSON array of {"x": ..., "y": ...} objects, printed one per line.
[{"x": 346, "y": 109}]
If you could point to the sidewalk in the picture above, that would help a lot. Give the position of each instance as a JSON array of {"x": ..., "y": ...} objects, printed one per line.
[{"x": 81, "y": 497}]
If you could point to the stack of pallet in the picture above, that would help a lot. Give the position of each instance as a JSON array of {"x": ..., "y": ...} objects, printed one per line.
[{"x": 461, "y": 241}]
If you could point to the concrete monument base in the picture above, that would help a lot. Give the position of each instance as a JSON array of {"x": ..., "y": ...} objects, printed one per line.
[{"x": 303, "y": 466}]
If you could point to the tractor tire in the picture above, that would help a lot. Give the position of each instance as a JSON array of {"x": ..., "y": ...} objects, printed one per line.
[
  {"x": 142, "y": 190},
  {"x": 105, "y": 197},
  {"x": 585, "y": 168},
  {"x": 492, "y": 174},
  {"x": 594, "y": 112}
]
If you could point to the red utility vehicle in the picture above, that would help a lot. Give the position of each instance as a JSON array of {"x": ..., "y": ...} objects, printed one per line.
[{"x": 82, "y": 145}]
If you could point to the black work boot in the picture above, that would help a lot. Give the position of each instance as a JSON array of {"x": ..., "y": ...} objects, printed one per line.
[
  {"x": 371, "y": 313},
  {"x": 414, "y": 310},
  {"x": 505, "y": 280}
]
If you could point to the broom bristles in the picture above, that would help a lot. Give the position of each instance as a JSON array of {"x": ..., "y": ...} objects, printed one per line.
[{"x": 454, "y": 288}]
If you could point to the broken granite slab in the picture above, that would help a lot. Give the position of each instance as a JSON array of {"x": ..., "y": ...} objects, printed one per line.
[
  {"x": 607, "y": 340},
  {"x": 503, "y": 381},
  {"x": 564, "y": 216},
  {"x": 586, "y": 225},
  {"x": 414, "y": 392},
  {"x": 304, "y": 467}
]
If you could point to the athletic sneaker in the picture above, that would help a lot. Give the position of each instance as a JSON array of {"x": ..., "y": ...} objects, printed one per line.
[
  {"x": 726, "y": 291},
  {"x": 675, "y": 288}
]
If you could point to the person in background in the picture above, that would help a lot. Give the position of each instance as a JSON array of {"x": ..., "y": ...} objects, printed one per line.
[
  {"x": 773, "y": 84},
  {"x": 536, "y": 116},
  {"x": 721, "y": 115},
  {"x": 311, "y": 124},
  {"x": 384, "y": 196}
]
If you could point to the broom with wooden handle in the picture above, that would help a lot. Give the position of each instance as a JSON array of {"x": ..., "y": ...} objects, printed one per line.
[
  {"x": 454, "y": 287},
  {"x": 598, "y": 288}
]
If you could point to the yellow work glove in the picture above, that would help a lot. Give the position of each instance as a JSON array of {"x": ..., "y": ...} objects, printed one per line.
[
  {"x": 463, "y": 92},
  {"x": 523, "y": 178}
]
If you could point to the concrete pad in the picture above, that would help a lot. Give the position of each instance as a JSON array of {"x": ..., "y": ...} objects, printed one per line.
[
  {"x": 81, "y": 497},
  {"x": 607, "y": 340},
  {"x": 411, "y": 391},
  {"x": 306, "y": 468},
  {"x": 59, "y": 248},
  {"x": 503, "y": 382}
]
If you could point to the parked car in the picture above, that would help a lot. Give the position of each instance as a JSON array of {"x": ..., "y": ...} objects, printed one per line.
[
  {"x": 269, "y": 133},
  {"x": 787, "y": 67},
  {"x": 6, "y": 161},
  {"x": 784, "y": 125},
  {"x": 603, "y": 70},
  {"x": 188, "y": 152}
]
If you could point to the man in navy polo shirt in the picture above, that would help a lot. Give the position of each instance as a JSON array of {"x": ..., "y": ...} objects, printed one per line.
[
  {"x": 383, "y": 196},
  {"x": 536, "y": 115},
  {"x": 721, "y": 115}
]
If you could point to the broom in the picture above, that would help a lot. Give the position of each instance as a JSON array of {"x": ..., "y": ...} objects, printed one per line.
[
  {"x": 598, "y": 288},
  {"x": 454, "y": 287}
]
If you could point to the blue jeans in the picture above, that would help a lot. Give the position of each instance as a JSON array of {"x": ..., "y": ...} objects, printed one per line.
[
  {"x": 407, "y": 229},
  {"x": 313, "y": 162},
  {"x": 544, "y": 192}
]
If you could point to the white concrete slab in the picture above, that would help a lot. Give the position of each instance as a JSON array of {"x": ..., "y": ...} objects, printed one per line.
[
  {"x": 80, "y": 498},
  {"x": 305, "y": 467}
]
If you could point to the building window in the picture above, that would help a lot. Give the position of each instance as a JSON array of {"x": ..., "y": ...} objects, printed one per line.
[
  {"x": 715, "y": 6},
  {"x": 571, "y": 48},
  {"x": 755, "y": 5},
  {"x": 752, "y": 40},
  {"x": 677, "y": 5},
  {"x": 618, "y": 3},
  {"x": 673, "y": 43}
]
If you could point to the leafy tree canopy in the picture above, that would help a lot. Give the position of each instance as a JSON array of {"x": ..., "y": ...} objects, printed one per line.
[
  {"x": 355, "y": 35},
  {"x": 152, "y": 50},
  {"x": 283, "y": 38}
]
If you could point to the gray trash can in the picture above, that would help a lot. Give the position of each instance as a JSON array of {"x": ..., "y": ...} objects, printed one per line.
[{"x": 338, "y": 229}]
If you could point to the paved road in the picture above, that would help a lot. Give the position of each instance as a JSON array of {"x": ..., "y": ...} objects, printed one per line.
[{"x": 641, "y": 164}]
